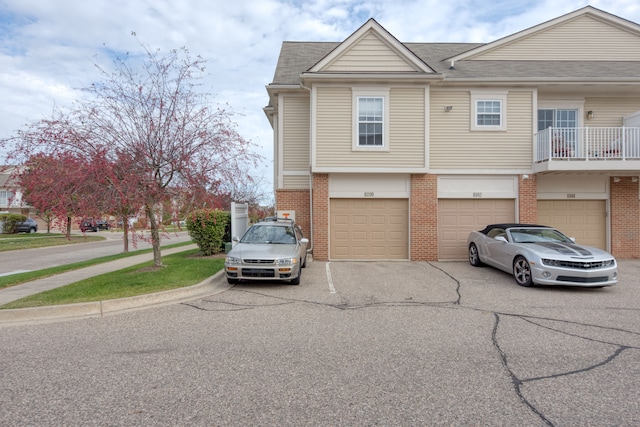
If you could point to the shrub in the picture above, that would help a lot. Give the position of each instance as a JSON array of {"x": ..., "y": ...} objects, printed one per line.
[
  {"x": 207, "y": 228},
  {"x": 9, "y": 222}
]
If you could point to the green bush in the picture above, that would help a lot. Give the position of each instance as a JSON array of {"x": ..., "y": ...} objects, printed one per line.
[
  {"x": 207, "y": 228},
  {"x": 9, "y": 222}
]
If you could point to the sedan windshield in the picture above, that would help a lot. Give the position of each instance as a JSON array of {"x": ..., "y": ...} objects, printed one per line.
[
  {"x": 269, "y": 234},
  {"x": 535, "y": 235}
]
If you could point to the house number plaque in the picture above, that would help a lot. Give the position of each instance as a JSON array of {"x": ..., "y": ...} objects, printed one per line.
[
  {"x": 477, "y": 194},
  {"x": 368, "y": 194}
]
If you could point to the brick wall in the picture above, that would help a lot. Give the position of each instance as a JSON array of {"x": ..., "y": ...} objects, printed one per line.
[
  {"x": 296, "y": 200},
  {"x": 321, "y": 217},
  {"x": 424, "y": 218},
  {"x": 527, "y": 200},
  {"x": 625, "y": 219}
]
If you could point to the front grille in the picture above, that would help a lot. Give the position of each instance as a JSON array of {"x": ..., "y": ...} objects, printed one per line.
[
  {"x": 582, "y": 279},
  {"x": 581, "y": 265},
  {"x": 258, "y": 261},
  {"x": 258, "y": 272}
]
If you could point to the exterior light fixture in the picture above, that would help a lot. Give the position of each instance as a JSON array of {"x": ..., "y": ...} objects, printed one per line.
[
  {"x": 448, "y": 108},
  {"x": 590, "y": 114}
]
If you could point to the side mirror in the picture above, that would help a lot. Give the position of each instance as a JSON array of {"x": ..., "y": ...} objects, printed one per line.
[
  {"x": 501, "y": 239},
  {"x": 304, "y": 241},
  {"x": 235, "y": 239},
  {"x": 573, "y": 239}
]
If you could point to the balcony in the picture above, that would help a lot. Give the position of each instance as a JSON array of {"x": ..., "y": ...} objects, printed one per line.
[{"x": 614, "y": 149}]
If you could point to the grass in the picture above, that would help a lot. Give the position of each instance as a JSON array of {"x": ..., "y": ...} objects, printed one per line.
[
  {"x": 14, "y": 242},
  {"x": 179, "y": 270}
]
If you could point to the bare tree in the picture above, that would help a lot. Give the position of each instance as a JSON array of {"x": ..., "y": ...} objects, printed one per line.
[{"x": 155, "y": 130}]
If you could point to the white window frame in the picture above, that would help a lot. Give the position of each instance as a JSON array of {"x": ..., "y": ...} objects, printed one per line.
[
  {"x": 490, "y": 96},
  {"x": 358, "y": 93}
]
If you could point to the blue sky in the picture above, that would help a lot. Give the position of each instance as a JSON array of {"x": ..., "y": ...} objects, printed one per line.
[{"x": 47, "y": 47}]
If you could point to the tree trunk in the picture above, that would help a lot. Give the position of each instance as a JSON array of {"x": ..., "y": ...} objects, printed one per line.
[
  {"x": 68, "y": 227},
  {"x": 125, "y": 235},
  {"x": 155, "y": 236}
]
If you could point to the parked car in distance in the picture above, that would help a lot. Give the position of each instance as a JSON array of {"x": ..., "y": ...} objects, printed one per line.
[
  {"x": 541, "y": 255},
  {"x": 102, "y": 224},
  {"x": 273, "y": 249},
  {"x": 88, "y": 225},
  {"x": 27, "y": 226}
]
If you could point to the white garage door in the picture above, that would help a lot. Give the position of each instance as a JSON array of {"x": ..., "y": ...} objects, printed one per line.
[
  {"x": 585, "y": 220},
  {"x": 369, "y": 229},
  {"x": 457, "y": 217}
]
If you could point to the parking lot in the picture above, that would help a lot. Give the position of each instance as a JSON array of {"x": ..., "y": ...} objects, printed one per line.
[{"x": 369, "y": 343}]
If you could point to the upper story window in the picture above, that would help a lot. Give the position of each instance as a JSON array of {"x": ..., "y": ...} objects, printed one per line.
[
  {"x": 5, "y": 198},
  {"x": 371, "y": 119},
  {"x": 488, "y": 110}
]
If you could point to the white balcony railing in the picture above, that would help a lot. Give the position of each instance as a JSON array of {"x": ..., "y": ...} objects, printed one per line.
[{"x": 588, "y": 143}]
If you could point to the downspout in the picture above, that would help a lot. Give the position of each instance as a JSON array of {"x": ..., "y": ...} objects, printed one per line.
[{"x": 310, "y": 249}]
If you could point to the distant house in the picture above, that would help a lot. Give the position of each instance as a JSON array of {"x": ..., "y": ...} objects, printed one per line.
[
  {"x": 394, "y": 150},
  {"x": 10, "y": 193}
]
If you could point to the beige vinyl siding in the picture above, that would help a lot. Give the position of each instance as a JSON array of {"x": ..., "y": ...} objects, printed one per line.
[
  {"x": 295, "y": 181},
  {"x": 406, "y": 130},
  {"x": 296, "y": 135},
  {"x": 609, "y": 112},
  {"x": 454, "y": 146},
  {"x": 584, "y": 38},
  {"x": 358, "y": 57}
]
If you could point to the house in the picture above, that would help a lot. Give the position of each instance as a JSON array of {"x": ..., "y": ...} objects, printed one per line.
[{"x": 391, "y": 150}]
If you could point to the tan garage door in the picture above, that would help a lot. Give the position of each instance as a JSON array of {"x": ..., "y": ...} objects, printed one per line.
[
  {"x": 583, "y": 219},
  {"x": 369, "y": 229},
  {"x": 457, "y": 217}
]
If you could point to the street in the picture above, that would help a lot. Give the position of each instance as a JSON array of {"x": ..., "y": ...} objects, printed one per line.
[{"x": 369, "y": 343}]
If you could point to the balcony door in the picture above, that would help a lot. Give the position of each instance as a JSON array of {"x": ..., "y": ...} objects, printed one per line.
[{"x": 565, "y": 123}]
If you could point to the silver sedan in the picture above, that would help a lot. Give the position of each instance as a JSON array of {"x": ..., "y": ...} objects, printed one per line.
[{"x": 541, "y": 255}]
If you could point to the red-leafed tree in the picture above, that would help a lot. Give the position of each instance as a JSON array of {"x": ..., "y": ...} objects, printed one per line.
[
  {"x": 154, "y": 129},
  {"x": 57, "y": 185}
]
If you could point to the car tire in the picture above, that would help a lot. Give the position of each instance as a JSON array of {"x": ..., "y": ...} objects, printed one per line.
[
  {"x": 32, "y": 230},
  {"x": 522, "y": 272},
  {"x": 304, "y": 261},
  {"x": 296, "y": 281},
  {"x": 474, "y": 256},
  {"x": 232, "y": 281}
]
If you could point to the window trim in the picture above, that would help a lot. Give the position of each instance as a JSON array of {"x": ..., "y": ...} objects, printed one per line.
[
  {"x": 358, "y": 93},
  {"x": 491, "y": 96}
]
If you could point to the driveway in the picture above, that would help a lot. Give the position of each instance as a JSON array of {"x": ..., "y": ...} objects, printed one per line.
[{"x": 376, "y": 343}]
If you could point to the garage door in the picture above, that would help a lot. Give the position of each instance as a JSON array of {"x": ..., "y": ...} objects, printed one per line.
[
  {"x": 583, "y": 219},
  {"x": 369, "y": 229},
  {"x": 457, "y": 217}
]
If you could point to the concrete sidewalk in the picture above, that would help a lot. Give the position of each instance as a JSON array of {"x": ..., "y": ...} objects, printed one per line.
[{"x": 99, "y": 308}]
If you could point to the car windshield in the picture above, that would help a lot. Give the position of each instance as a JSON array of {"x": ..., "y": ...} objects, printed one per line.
[
  {"x": 535, "y": 235},
  {"x": 277, "y": 234}
]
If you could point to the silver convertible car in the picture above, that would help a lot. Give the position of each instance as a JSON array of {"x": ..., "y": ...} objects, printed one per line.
[
  {"x": 541, "y": 255},
  {"x": 273, "y": 249}
]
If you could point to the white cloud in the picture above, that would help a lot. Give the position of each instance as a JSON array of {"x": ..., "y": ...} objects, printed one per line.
[{"x": 47, "y": 48}]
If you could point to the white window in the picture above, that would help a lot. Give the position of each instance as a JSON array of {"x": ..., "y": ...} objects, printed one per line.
[
  {"x": 5, "y": 198},
  {"x": 488, "y": 111},
  {"x": 371, "y": 118}
]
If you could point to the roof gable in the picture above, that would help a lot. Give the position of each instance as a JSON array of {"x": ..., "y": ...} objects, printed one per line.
[
  {"x": 587, "y": 34},
  {"x": 355, "y": 53}
]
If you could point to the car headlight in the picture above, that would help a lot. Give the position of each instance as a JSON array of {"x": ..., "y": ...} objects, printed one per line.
[
  {"x": 608, "y": 263},
  {"x": 232, "y": 260},
  {"x": 551, "y": 262},
  {"x": 286, "y": 261}
]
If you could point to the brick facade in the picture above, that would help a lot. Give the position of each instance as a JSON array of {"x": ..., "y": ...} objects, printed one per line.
[
  {"x": 424, "y": 218},
  {"x": 625, "y": 218},
  {"x": 321, "y": 217},
  {"x": 528, "y": 199}
]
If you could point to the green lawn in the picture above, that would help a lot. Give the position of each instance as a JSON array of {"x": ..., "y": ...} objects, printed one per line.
[
  {"x": 179, "y": 270},
  {"x": 14, "y": 242}
]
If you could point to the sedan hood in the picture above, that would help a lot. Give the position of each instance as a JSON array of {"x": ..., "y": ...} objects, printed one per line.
[
  {"x": 263, "y": 251},
  {"x": 570, "y": 250}
]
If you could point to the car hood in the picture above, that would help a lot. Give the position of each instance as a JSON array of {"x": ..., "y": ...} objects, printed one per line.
[
  {"x": 569, "y": 250},
  {"x": 263, "y": 251}
]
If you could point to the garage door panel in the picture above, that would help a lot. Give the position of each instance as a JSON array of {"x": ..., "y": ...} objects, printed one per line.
[
  {"x": 375, "y": 229},
  {"x": 458, "y": 217},
  {"x": 584, "y": 220}
]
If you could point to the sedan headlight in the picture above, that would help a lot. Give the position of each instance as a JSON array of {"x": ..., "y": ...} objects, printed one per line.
[
  {"x": 232, "y": 260},
  {"x": 286, "y": 261}
]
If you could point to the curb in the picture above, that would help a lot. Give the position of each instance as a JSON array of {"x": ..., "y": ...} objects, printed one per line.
[{"x": 21, "y": 316}]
